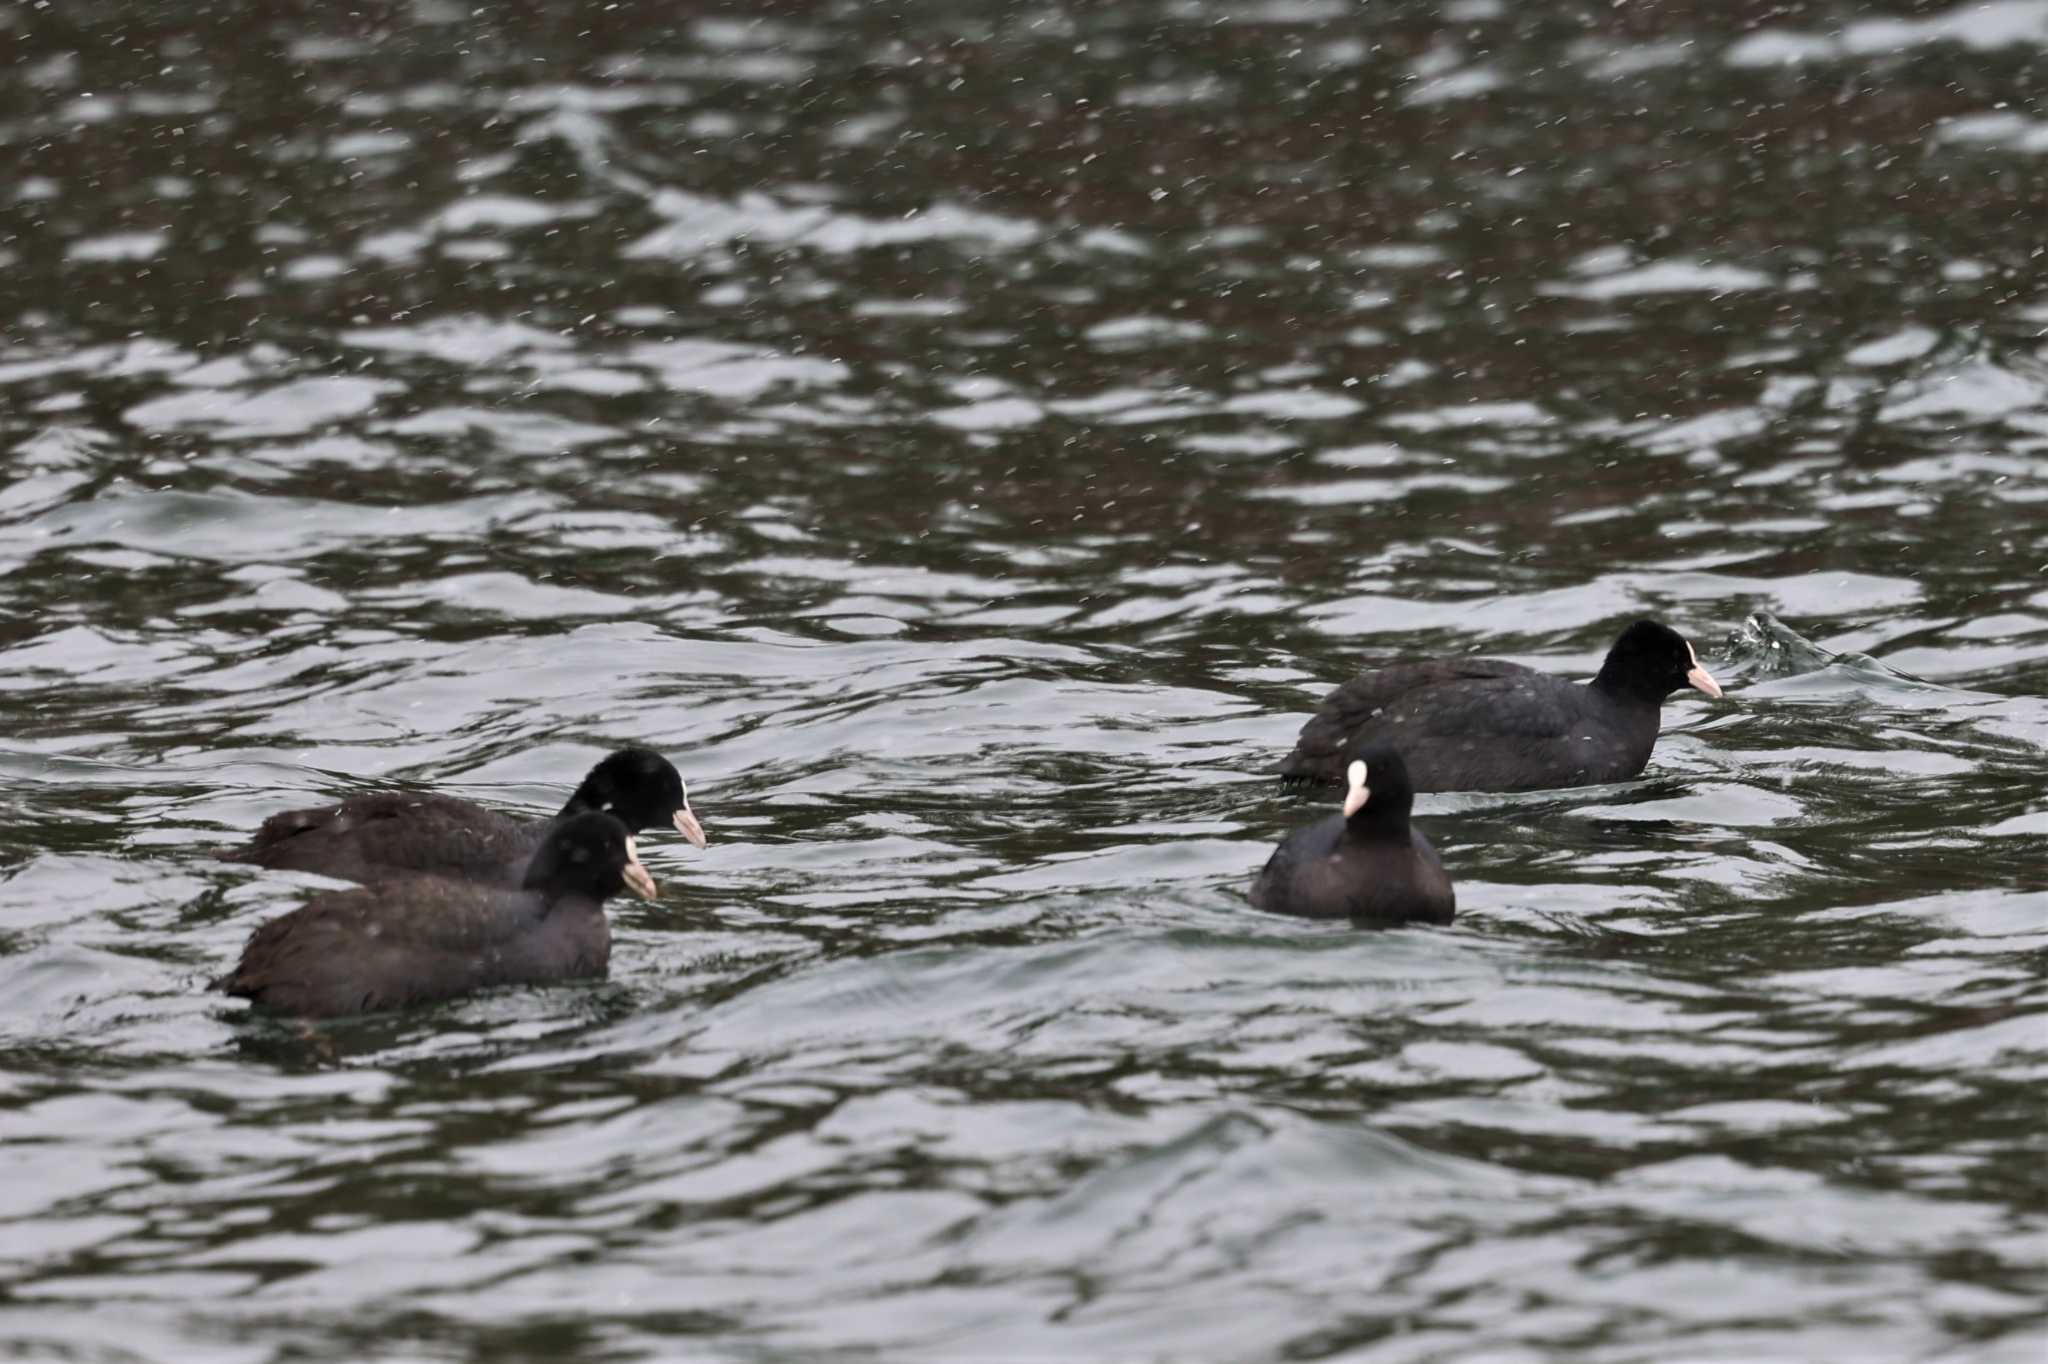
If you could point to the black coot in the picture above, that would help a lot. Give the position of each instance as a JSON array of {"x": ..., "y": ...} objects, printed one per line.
[
  {"x": 1365, "y": 864},
  {"x": 390, "y": 833},
  {"x": 411, "y": 940},
  {"x": 1483, "y": 725}
]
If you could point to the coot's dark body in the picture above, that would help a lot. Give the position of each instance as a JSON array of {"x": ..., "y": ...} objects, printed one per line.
[
  {"x": 1482, "y": 724},
  {"x": 391, "y": 833},
  {"x": 412, "y": 940},
  {"x": 1367, "y": 864}
]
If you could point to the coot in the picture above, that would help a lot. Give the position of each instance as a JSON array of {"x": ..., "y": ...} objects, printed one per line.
[
  {"x": 1365, "y": 864},
  {"x": 414, "y": 939},
  {"x": 390, "y": 833},
  {"x": 1483, "y": 725}
]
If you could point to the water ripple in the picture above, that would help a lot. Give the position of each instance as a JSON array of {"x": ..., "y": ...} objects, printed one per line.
[{"x": 970, "y": 442}]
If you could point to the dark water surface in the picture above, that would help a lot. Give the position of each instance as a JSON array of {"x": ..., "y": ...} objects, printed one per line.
[{"x": 968, "y": 437}]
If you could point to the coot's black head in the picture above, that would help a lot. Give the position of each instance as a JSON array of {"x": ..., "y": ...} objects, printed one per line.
[
  {"x": 642, "y": 789},
  {"x": 588, "y": 854},
  {"x": 1650, "y": 661},
  {"x": 1380, "y": 794}
]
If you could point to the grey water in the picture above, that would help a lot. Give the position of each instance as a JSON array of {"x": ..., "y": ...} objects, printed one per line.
[{"x": 968, "y": 438}]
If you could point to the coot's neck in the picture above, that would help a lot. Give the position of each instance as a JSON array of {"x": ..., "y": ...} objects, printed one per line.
[
  {"x": 542, "y": 867},
  {"x": 1372, "y": 825},
  {"x": 581, "y": 801},
  {"x": 569, "y": 900},
  {"x": 1613, "y": 684},
  {"x": 555, "y": 890}
]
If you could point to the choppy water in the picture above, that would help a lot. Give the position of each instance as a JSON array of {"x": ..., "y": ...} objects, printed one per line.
[{"x": 968, "y": 437}]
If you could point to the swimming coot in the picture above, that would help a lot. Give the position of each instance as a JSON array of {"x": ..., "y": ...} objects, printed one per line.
[
  {"x": 1365, "y": 864},
  {"x": 414, "y": 939},
  {"x": 1483, "y": 725},
  {"x": 391, "y": 833}
]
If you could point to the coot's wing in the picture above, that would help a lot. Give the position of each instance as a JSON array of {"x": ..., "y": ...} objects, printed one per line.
[
  {"x": 1284, "y": 884},
  {"x": 359, "y": 951},
  {"x": 1528, "y": 733},
  {"x": 1318, "y": 872},
  {"x": 393, "y": 833},
  {"x": 1513, "y": 706},
  {"x": 1347, "y": 713},
  {"x": 1432, "y": 884}
]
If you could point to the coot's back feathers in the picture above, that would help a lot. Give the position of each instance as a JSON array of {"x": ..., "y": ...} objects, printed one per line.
[
  {"x": 1367, "y": 864},
  {"x": 1484, "y": 724},
  {"x": 412, "y": 940},
  {"x": 396, "y": 832},
  {"x": 390, "y": 833}
]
